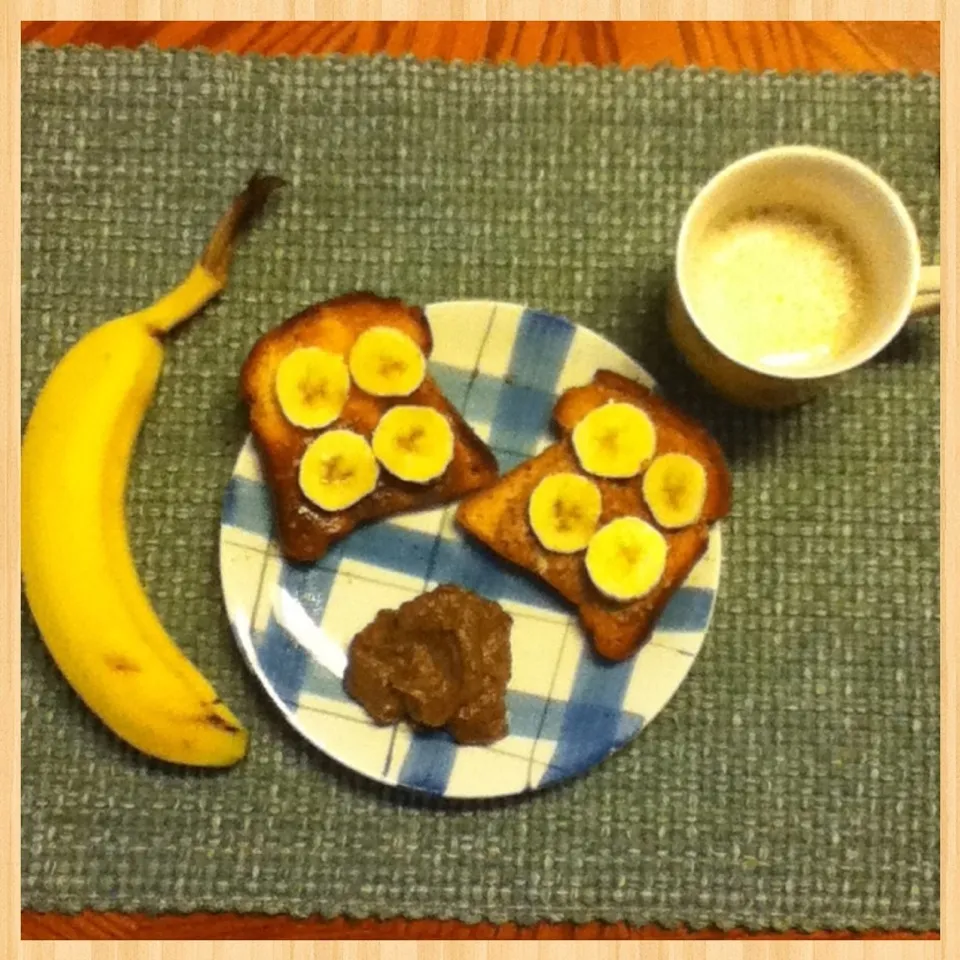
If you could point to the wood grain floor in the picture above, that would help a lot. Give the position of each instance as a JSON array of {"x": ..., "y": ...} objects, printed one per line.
[
  {"x": 760, "y": 45},
  {"x": 226, "y": 926}
]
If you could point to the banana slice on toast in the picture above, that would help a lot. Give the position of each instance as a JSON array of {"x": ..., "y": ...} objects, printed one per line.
[
  {"x": 564, "y": 512},
  {"x": 386, "y": 362},
  {"x": 615, "y": 440},
  {"x": 414, "y": 443},
  {"x": 675, "y": 489},
  {"x": 312, "y": 386},
  {"x": 626, "y": 558},
  {"x": 338, "y": 470}
]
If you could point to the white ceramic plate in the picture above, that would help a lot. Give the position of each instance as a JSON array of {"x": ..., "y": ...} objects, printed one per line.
[{"x": 502, "y": 366}]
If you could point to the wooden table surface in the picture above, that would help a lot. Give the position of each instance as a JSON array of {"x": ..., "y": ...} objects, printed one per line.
[{"x": 758, "y": 45}]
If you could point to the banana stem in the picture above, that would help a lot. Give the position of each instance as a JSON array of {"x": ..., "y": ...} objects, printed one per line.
[
  {"x": 182, "y": 302},
  {"x": 234, "y": 223},
  {"x": 209, "y": 274}
]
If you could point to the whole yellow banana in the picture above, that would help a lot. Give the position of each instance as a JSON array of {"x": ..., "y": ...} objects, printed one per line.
[{"x": 78, "y": 573}]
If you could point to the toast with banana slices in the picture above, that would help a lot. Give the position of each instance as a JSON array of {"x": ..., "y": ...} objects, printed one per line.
[
  {"x": 615, "y": 514},
  {"x": 349, "y": 425}
]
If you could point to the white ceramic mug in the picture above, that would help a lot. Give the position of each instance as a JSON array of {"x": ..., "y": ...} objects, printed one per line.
[{"x": 838, "y": 190}]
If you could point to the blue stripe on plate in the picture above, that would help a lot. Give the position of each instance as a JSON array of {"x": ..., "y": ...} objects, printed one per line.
[
  {"x": 246, "y": 506},
  {"x": 309, "y": 586},
  {"x": 524, "y": 713},
  {"x": 688, "y": 610},
  {"x": 600, "y": 682},
  {"x": 518, "y": 408},
  {"x": 585, "y": 733},
  {"x": 473, "y": 566},
  {"x": 481, "y": 404},
  {"x": 429, "y": 761},
  {"x": 540, "y": 350},
  {"x": 554, "y": 774},
  {"x": 318, "y": 681},
  {"x": 591, "y": 723},
  {"x": 630, "y": 725},
  {"x": 385, "y": 545},
  {"x": 526, "y": 397},
  {"x": 454, "y": 383},
  {"x": 282, "y": 660},
  {"x": 522, "y": 417}
]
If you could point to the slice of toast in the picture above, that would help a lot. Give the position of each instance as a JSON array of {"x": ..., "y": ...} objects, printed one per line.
[
  {"x": 497, "y": 516},
  {"x": 305, "y": 532}
]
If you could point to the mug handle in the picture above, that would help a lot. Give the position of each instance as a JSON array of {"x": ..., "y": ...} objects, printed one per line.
[{"x": 927, "y": 299}]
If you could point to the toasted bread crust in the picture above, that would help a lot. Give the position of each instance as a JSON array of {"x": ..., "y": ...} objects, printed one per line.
[
  {"x": 305, "y": 532},
  {"x": 497, "y": 516}
]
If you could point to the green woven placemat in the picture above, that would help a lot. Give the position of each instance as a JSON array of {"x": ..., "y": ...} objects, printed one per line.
[{"x": 792, "y": 782}]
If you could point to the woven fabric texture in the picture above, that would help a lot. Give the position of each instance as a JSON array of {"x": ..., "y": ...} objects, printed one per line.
[{"x": 794, "y": 779}]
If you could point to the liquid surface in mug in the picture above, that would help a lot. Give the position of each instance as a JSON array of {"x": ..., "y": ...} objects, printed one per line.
[{"x": 780, "y": 288}]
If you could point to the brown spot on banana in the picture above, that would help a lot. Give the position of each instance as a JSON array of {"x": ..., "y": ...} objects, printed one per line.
[
  {"x": 120, "y": 663},
  {"x": 216, "y": 721}
]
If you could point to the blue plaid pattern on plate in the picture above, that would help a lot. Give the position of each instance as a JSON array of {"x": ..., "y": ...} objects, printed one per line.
[{"x": 502, "y": 366}]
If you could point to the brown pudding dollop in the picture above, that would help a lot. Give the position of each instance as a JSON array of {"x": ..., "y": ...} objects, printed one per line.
[{"x": 439, "y": 660}]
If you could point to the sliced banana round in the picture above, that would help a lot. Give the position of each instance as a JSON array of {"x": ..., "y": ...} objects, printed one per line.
[
  {"x": 564, "y": 510},
  {"x": 414, "y": 443},
  {"x": 626, "y": 558},
  {"x": 338, "y": 470},
  {"x": 312, "y": 386},
  {"x": 387, "y": 363},
  {"x": 615, "y": 440},
  {"x": 675, "y": 489}
]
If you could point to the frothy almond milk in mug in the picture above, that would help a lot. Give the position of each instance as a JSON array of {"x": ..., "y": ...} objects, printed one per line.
[{"x": 778, "y": 287}]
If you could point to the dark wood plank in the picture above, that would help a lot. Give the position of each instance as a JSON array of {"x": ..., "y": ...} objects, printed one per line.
[{"x": 752, "y": 45}]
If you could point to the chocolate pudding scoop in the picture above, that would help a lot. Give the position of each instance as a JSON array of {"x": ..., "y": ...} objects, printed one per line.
[{"x": 439, "y": 660}]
